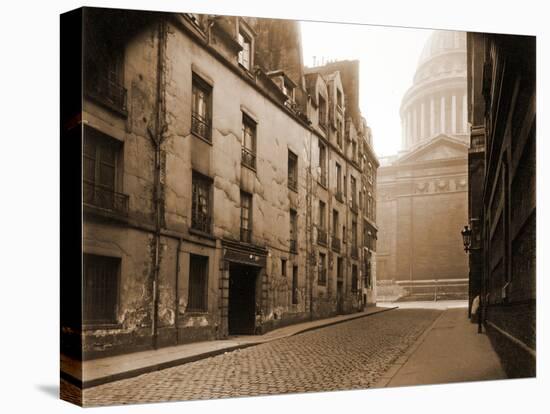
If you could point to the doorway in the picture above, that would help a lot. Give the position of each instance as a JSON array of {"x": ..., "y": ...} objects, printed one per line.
[
  {"x": 242, "y": 299},
  {"x": 340, "y": 296}
]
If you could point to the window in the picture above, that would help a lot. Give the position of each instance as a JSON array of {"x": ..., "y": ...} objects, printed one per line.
[
  {"x": 322, "y": 278},
  {"x": 354, "y": 150},
  {"x": 339, "y": 98},
  {"x": 201, "y": 109},
  {"x": 100, "y": 158},
  {"x": 248, "y": 154},
  {"x": 322, "y": 163},
  {"x": 338, "y": 178},
  {"x": 353, "y": 183},
  {"x": 104, "y": 68},
  {"x": 246, "y": 217},
  {"x": 293, "y": 231},
  {"x": 198, "y": 284},
  {"x": 354, "y": 233},
  {"x": 201, "y": 205},
  {"x": 292, "y": 171},
  {"x": 245, "y": 55},
  {"x": 339, "y": 132},
  {"x": 339, "y": 269},
  {"x": 283, "y": 267},
  {"x": 100, "y": 290},
  {"x": 335, "y": 223},
  {"x": 344, "y": 234},
  {"x": 322, "y": 112},
  {"x": 294, "y": 285},
  {"x": 354, "y": 280},
  {"x": 368, "y": 273},
  {"x": 322, "y": 215}
]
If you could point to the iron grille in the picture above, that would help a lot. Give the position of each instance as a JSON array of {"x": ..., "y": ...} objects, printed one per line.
[
  {"x": 293, "y": 246},
  {"x": 246, "y": 235},
  {"x": 100, "y": 289},
  {"x": 201, "y": 222},
  {"x": 248, "y": 158}
]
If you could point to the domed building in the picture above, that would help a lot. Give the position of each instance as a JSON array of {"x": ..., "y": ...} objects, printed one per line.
[{"x": 422, "y": 191}]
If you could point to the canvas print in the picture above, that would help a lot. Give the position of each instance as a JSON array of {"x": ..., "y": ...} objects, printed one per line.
[{"x": 271, "y": 206}]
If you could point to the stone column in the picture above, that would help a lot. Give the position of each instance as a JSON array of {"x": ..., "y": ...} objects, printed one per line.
[
  {"x": 453, "y": 114},
  {"x": 409, "y": 128},
  {"x": 442, "y": 115},
  {"x": 422, "y": 121},
  {"x": 432, "y": 117},
  {"x": 415, "y": 127}
]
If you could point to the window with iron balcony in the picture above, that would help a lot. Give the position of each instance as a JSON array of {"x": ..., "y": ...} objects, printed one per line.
[
  {"x": 201, "y": 204},
  {"x": 201, "y": 109},
  {"x": 101, "y": 166},
  {"x": 248, "y": 152}
]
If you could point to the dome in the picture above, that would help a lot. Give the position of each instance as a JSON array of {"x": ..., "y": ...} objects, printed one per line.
[
  {"x": 436, "y": 102},
  {"x": 440, "y": 42}
]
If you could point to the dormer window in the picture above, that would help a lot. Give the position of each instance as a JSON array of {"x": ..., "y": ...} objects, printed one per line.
[
  {"x": 288, "y": 89},
  {"x": 322, "y": 112},
  {"x": 245, "y": 55}
]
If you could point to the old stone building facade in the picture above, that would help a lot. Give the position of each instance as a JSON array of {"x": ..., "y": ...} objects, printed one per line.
[
  {"x": 502, "y": 164},
  {"x": 227, "y": 189},
  {"x": 422, "y": 191}
]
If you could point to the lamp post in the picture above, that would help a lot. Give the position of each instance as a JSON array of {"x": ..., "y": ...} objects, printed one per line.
[{"x": 467, "y": 241}]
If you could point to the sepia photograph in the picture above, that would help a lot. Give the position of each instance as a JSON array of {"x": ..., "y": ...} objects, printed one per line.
[{"x": 272, "y": 206}]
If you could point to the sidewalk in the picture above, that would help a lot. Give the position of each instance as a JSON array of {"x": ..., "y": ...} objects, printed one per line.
[
  {"x": 100, "y": 371},
  {"x": 450, "y": 350}
]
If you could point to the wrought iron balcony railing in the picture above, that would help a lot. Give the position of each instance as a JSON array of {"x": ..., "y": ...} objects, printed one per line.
[
  {"x": 107, "y": 91},
  {"x": 293, "y": 246},
  {"x": 201, "y": 222},
  {"x": 321, "y": 237},
  {"x": 105, "y": 198},
  {"x": 248, "y": 158},
  {"x": 201, "y": 126},
  {"x": 335, "y": 244},
  {"x": 246, "y": 235}
]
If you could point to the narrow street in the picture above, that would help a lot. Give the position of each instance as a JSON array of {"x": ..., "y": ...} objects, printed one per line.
[{"x": 350, "y": 355}]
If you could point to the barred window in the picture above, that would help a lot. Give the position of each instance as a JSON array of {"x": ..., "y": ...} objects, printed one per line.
[
  {"x": 322, "y": 279},
  {"x": 198, "y": 284},
  {"x": 201, "y": 108},
  {"x": 246, "y": 217},
  {"x": 100, "y": 290},
  {"x": 201, "y": 207}
]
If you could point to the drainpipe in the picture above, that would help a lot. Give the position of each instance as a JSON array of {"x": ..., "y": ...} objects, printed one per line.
[
  {"x": 157, "y": 139},
  {"x": 176, "y": 308}
]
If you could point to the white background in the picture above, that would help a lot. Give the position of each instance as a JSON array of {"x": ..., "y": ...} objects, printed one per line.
[{"x": 29, "y": 163}]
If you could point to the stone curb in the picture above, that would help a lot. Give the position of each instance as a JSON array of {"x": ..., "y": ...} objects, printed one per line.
[
  {"x": 185, "y": 360},
  {"x": 403, "y": 358}
]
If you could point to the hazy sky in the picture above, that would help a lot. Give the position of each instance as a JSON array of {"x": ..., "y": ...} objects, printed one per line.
[{"x": 388, "y": 57}]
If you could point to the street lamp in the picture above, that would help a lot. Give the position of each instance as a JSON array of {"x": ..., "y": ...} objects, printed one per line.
[
  {"x": 467, "y": 241},
  {"x": 467, "y": 238}
]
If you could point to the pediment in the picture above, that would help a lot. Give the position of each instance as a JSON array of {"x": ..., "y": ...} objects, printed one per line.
[{"x": 439, "y": 148}]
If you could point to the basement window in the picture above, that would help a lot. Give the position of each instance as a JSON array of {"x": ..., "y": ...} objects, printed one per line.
[
  {"x": 198, "y": 283},
  {"x": 100, "y": 290}
]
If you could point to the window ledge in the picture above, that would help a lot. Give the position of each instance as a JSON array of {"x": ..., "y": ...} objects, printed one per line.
[
  {"x": 201, "y": 233},
  {"x": 209, "y": 142},
  {"x": 100, "y": 326}
]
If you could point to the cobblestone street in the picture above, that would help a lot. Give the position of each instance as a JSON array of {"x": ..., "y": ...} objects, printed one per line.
[{"x": 350, "y": 355}]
